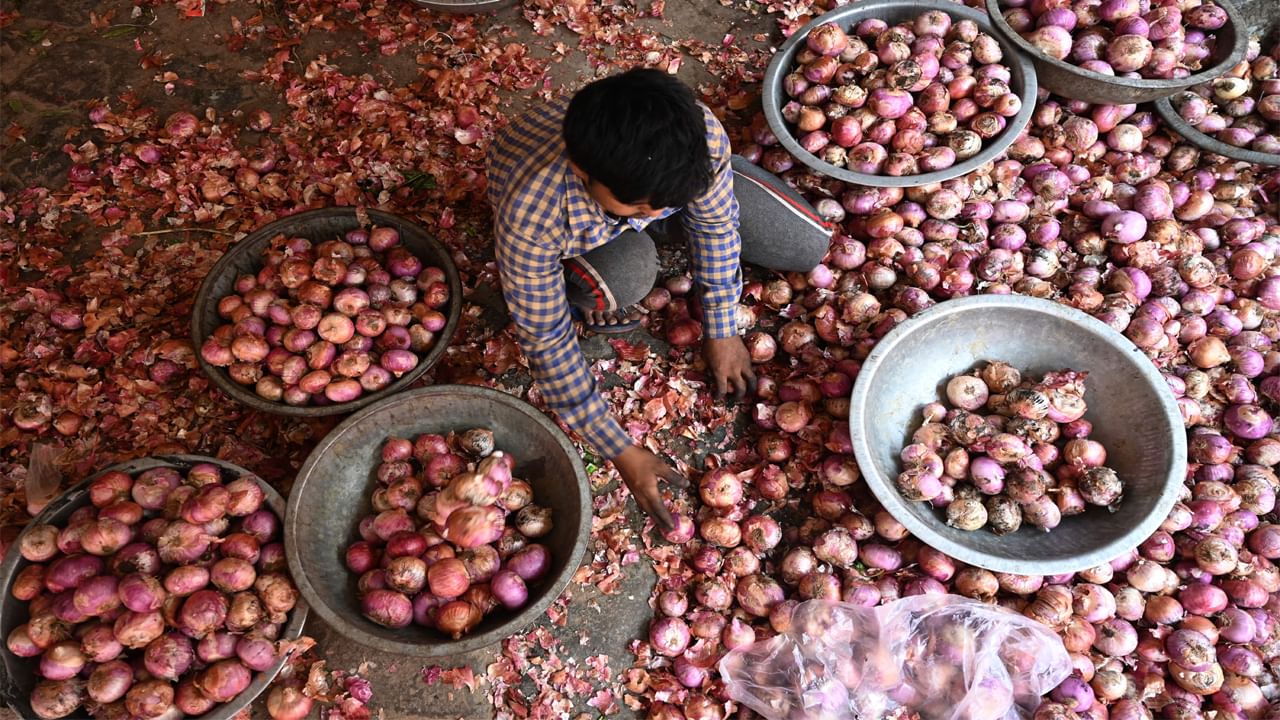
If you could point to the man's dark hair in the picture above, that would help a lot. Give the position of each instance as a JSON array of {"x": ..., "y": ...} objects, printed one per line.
[{"x": 642, "y": 135}]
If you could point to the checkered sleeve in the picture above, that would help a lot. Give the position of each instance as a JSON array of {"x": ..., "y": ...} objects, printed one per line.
[
  {"x": 533, "y": 285},
  {"x": 711, "y": 222}
]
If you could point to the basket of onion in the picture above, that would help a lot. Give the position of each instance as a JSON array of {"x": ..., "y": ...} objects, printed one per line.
[
  {"x": 157, "y": 588},
  {"x": 438, "y": 521},
  {"x": 326, "y": 311},
  {"x": 895, "y": 93},
  {"x": 1123, "y": 51},
  {"x": 1074, "y": 433}
]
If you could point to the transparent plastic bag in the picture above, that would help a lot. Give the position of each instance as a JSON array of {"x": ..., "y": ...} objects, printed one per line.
[{"x": 936, "y": 657}]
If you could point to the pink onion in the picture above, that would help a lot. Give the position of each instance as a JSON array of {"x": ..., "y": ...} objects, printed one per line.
[
  {"x": 669, "y": 636},
  {"x": 509, "y": 588},
  {"x": 530, "y": 562}
]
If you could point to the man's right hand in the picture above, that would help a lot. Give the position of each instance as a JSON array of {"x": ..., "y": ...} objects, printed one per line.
[{"x": 641, "y": 470}]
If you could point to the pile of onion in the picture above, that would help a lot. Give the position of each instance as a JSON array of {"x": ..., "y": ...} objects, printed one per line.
[
  {"x": 326, "y": 323},
  {"x": 1125, "y": 38},
  {"x": 912, "y": 98},
  {"x": 161, "y": 598},
  {"x": 1097, "y": 207},
  {"x": 679, "y": 310},
  {"x": 1242, "y": 107},
  {"x": 450, "y": 540},
  {"x": 1008, "y": 451}
]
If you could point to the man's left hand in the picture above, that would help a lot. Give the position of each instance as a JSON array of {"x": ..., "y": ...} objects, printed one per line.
[{"x": 730, "y": 366}]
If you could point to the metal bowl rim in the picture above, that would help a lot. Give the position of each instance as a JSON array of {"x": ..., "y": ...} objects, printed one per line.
[
  {"x": 1208, "y": 143},
  {"x": 896, "y": 506},
  {"x": 517, "y": 621},
  {"x": 1170, "y": 84},
  {"x": 779, "y": 67},
  {"x": 78, "y": 496},
  {"x": 241, "y": 394},
  {"x": 465, "y": 8}
]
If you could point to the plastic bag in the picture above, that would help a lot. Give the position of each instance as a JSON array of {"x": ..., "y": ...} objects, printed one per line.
[
  {"x": 941, "y": 657},
  {"x": 43, "y": 478}
]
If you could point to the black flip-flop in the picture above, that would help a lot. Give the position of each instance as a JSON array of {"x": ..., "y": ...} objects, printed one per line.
[{"x": 621, "y": 328}]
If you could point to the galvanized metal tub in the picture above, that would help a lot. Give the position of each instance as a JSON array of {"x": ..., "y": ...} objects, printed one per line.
[
  {"x": 19, "y": 673},
  {"x": 318, "y": 225},
  {"x": 1074, "y": 82},
  {"x": 1131, "y": 407},
  {"x": 1263, "y": 20},
  {"x": 332, "y": 492},
  {"x": 1023, "y": 82}
]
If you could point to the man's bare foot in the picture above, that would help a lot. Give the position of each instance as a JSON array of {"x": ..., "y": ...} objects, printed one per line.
[
  {"x": 624, "y": 316},
  {"x": 612, "y": 322}
]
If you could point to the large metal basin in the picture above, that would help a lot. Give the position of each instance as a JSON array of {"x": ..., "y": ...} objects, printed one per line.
[
  {"x": 332, "y": 492},
  {"x": 1022, "y": 82},
  {"x": 1068, "y": 80},
  {"x": 1263, "y": 20},
  {"x": 1208, "y": 143},
  {"x": 318, "y": 226},
  {"x": 1132, "y": 410},
  {"x": 19, "y": 673}
]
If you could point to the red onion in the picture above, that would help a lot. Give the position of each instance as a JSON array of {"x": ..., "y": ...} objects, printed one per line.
[
  {"x": 509, "y": 588},
  {"x": 757, "y": 594},
  {"x": 387, "y": 608},
  {"x": 1190, "y": 650},
  {"x": 682, "y": 532},
  {"x": 672, "y": 603},
  {"x": 109, "y": 681},
  {"x": 68, "y": 572},
  {"x": 136, "y": 629},
  {"x": 202, "y": 612},
  {"x": 169, "y": 656},
  {"x": 1074, "y": 693},
  {"x": 1203, "y": 599},
  {"x": 21, "y": 644},
  {"x": 223, "y": 680},
  {"x": 108, "y": 488},
  {"x": 29, "y": 583},
  {"x": 97, "y": 596},
  {"x": 530, "y": 562},
  {"x": 707, "y": 560},
  {"x": 56, "y": 699},
  {"x": 669, "y": 636},
  {"x": 286, "y": 702},
  {"x": 1265, "y": 541},
  {"x": 62, "y": 661},
  {"x": 256, "y": 653},
  {"x": 1116, "y": 638},
  {"x": 141, "y": 593},
  {"x": 448, "y": 578},
  {"x": 182, "y": 542},
  {"x": 722, "y": 532},
  {"x": 720, "y": 488}
]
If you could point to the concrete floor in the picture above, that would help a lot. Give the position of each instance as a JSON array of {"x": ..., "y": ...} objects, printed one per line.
[{"x": 57, "y": 56}]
